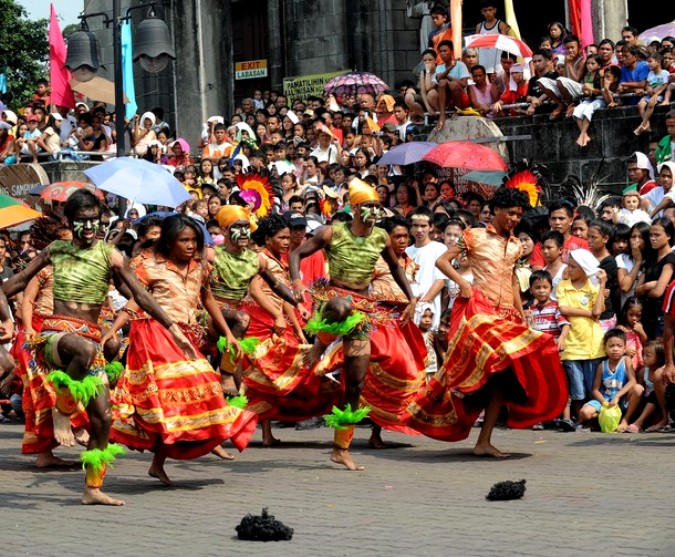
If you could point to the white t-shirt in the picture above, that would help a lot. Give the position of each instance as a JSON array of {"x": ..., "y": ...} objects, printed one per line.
[
  {"x": 625, "y": 261},
  {"x": 427, "y": 274},
  {"x": 655, "y": 196}
]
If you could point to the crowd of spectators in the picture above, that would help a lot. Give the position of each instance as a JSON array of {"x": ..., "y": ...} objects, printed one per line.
[{"x": 310, "y": 149}]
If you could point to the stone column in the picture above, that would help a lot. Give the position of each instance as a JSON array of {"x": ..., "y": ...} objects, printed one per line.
[{"x": 609, "y": 17}]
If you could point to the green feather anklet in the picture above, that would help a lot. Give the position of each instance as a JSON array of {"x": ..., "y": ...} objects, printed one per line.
[{"x": 340, "y": 419}]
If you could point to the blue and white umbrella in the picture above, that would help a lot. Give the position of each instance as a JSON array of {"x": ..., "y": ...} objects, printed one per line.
[
  {"x": 407, "y": 153},
  {"x": 139, "y": 181}
]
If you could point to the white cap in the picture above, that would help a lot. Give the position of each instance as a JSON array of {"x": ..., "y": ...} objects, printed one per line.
[
  {"x": 56, "y": 116},
  {"x": 10, "y": 116}
]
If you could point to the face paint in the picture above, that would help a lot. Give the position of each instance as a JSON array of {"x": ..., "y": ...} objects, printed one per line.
[
  {"x": 80, "y": 225},
  {"x": 239, "y": 232},
  {"x": 368, "y": 211}
]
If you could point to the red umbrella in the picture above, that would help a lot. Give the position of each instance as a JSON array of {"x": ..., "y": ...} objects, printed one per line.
[
  {"x": 467, "y": 155},
  {"x": 61, "y": 191},
  {"x": 502, "y": 42}
]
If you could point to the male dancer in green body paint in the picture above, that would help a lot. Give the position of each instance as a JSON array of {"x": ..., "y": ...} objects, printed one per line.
[
  {"x": 68, "y": 344},
  {"x": 353, "y": 250}
]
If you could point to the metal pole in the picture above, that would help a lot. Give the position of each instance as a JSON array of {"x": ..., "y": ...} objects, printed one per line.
[{"x": 120, "y": 111}]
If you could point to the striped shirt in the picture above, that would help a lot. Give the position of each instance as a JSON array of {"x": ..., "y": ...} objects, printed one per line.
[{"x": 547, "y": 318}]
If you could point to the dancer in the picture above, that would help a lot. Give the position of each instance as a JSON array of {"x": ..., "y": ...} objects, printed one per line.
[
  {"x": 341, "y": 306},
  {"x": 37, "y": 305},
  {"x": 493, "y": 357},
  {"x": 276, "y": 382},
  {"x": 69, "y": 344},
  {"x": 165, "y": 403},
  {"x": 234, "y": 267}
]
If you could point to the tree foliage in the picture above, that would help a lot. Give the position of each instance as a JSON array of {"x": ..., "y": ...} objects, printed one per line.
[{"x": 24, "y": 50}]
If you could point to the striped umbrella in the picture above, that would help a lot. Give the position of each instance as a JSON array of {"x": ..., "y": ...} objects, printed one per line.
[
  {"x": 14, "y": 212},
  {"x": 407, "y": 153}
]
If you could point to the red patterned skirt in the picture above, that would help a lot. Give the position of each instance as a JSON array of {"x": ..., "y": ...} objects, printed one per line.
[
  {"x": 488, "y": 347},
  {"x": 278, "y": 385},
  {"x": 397, "y": 368},
  {"x": 164, "y": 398}
]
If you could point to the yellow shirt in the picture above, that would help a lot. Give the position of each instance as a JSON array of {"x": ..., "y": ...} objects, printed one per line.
[{"x": 584, "y": 341}]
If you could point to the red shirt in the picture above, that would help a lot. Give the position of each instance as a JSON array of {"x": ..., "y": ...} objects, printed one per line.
[
  {"x": 572, "y": 243},
  {"x": 647, "y": 187},
  {"x": 669, "y": 300}
]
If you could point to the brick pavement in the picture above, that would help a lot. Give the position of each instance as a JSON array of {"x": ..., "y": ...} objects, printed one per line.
[{"x": 588, "y": 494}]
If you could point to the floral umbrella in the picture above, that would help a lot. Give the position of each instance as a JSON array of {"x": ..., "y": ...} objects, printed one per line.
[
  {"x": 61, "y": 191},
  {"x": 355, "y": 83}
]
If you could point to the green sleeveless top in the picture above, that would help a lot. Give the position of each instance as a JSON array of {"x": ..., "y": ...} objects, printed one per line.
[
  {"x": 232, "y": 273},
  {"x": 352, "y": 259},
  {"x": 81, "y": 275}
]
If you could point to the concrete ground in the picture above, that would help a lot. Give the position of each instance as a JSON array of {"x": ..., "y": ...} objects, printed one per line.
[{"x": 587, "y": 494}]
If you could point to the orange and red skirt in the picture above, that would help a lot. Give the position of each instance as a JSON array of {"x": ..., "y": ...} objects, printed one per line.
[
  {"x": 397, "y": 368},
  {"x": 278, "y": 385},
  {"x": 490, "y": 350},
  {"x": 162, "y": 398}
]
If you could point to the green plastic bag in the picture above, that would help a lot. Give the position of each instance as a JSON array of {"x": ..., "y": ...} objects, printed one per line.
[{"x": 609, "y": 418}]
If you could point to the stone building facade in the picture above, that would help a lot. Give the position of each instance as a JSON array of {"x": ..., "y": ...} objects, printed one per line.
[{"x": 295, "y": 38}]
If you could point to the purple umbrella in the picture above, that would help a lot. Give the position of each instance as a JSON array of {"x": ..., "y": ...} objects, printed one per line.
[
  {"x": 660, "y": 31},
  {"x": 355, "y": 83},
  {"x": 407, "y": 153}
]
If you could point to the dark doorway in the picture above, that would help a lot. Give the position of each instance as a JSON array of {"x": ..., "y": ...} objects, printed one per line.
[
  {"x": 643, "y": 18},
  {"x": 249, "y": 42}
]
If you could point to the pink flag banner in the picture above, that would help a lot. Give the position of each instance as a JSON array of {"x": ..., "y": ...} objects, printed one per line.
[{"x": 59, "y": 76}]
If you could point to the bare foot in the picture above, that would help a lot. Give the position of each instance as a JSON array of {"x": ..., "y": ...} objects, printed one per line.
[
  {"x": 63, "y": 433},
  {"x": 94, "y": 496},
  {"x": 569, "y": 111},
  {"x": 222, "y": 453},
  {"x": 441, "y": 121},
  {"x": 639, "y": 130},
  {"x": 657, "y": 426},
  {"x": 489, "y": 450},
  {"x": 228, "y": 385},
  {"x": 271, "y": 441},
  {"x": 647, "y": 127},
  {"x": 376, "y": 442},
  {"x": 159, "y": 473},
  {"x": 623, "y": 426},
  {"x": 342, "y": 456},
  {"x": 81, "y": 436},
  {"x": 580, "y": 142},
  {"x": 48, "y": 460}
]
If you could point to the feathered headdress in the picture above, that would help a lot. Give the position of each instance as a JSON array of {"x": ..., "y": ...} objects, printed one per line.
[
  {"x": 254, "y": 186},
  {"x": 527, "y": 182},
  {"x": 327, "y": 208}
]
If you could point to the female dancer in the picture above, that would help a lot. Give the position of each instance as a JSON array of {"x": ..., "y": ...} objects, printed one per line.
[
  {"x": 277, "y": 383},
  {"x": 493, "y": 357},
  {"x": 167, "y": 404}
]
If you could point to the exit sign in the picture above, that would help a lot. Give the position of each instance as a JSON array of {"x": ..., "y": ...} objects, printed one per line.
[{"x": 250, "y": 70}]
